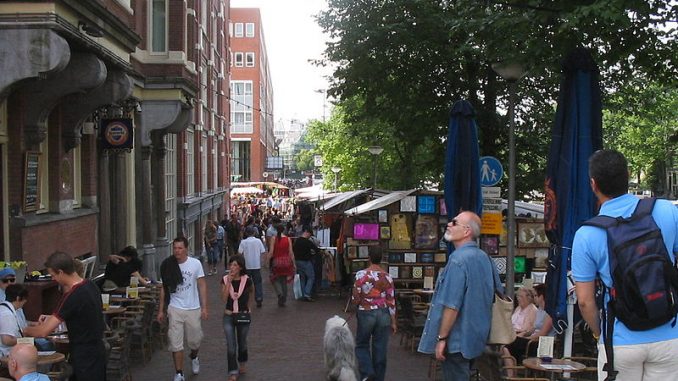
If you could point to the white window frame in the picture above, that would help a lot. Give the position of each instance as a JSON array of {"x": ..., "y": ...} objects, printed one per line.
[
  {"x": 151, "y": 29},
  {"x": 249, "y": 59},
  {"x": 239, "y": 59},
  {"x": 203, "y": 162},
  {"x": 242, "y": 104},
  {"x": 170, "y": 186},
  {"x": 238, "y": 30},
  {"x": 215, "y": 162},
  {"x": 190, "y": 163},
  {"x": 249, "y": 29}
]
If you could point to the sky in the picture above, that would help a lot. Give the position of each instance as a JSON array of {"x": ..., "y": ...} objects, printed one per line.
[{"x": 292, "y": 39}]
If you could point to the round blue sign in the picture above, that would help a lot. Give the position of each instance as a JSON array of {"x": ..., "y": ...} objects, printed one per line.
[{"x": 491, "y": 171}]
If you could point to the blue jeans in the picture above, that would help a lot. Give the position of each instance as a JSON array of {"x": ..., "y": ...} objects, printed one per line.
[
  {"x": 374, "y": 326},
  {"x": 255, "y": 275},
  {"x": 307, "y": 276},
  {"x": 220, "y": 249},
  {"x": 212, "y": 254},
  {"x": 456, "y": 367},
  {"x": 236, "y": 339}
]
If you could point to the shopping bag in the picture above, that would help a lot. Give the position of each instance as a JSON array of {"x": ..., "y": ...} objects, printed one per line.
[
  {"x": 501, "y": 330},
  {"x": 298, "y": 294}
]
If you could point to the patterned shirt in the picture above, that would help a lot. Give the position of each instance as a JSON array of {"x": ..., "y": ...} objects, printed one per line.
[{"x": 374, "y": 290}]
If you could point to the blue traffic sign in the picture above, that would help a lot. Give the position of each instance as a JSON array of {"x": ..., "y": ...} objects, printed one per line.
[{"x": 491, "y": 171}]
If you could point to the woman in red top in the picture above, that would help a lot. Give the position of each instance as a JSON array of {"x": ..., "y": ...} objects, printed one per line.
[{"x": 282, "y": 264}]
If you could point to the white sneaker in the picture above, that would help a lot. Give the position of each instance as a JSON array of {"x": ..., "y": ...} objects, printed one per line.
[
  {"x": 195, "y": 366},
  {"x": 178, "y": 377}
]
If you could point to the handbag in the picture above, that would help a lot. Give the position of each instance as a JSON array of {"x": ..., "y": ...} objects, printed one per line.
[
  {"x": 501, "y": 330},
  {"x": 298, "y": 294},
  {"x": 239, "y": 318}
]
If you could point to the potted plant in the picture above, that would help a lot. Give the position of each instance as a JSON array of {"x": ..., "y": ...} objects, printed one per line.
[{"x": 19, "y": 267}]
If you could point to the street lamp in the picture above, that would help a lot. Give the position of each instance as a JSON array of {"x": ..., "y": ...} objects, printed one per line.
[
  {"x": 336, "y": 171},
  {"x": 511, "y": 72},
  {"x": 375, "y": 151}
]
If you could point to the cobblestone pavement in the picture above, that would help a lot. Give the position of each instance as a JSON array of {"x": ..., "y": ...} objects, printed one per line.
[{"x": 283, "y": 343}]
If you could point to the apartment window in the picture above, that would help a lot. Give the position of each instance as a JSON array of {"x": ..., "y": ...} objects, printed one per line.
[
  {"x": 241, "y": 161},
  {"x": 203, "y": 162},
  {"x": 170, "y": 185},
  {"x": 238, "y": 59},
  {"x": 249, "y": 59},
  {"x": 159, "y": 25},
  {"x": 190, "y": 163},
  {"x": 241, "y": 107},
  {"x": 215, "y": 163},
  {"x": 249, "y": 29},
  {"x": 238, "y": 29}
]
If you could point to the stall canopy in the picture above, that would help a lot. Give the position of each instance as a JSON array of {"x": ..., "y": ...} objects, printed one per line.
[
  {"x": 340, "y": 198},
  {"x": 268, "y": 184},
  {"x": 379, "y": 202},
  {"x": 245, "y": 190},
  {"x": 313, "y": 193}
]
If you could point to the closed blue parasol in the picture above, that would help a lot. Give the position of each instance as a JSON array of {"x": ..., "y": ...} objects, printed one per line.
[
  {"x": 462, "y": 172},
  {"x": 577, "y": 133}
]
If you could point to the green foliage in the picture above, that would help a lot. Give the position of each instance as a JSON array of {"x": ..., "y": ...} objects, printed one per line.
[
  {"x": 400, "y": 65},
  {"x": 304, "y": 160}
]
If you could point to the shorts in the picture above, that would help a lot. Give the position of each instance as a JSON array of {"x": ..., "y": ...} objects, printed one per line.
[{"x": 180, "y": 322}]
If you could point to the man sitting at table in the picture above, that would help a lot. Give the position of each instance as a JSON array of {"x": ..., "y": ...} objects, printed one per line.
[
  {"x": 23, "y": 363},
  {"x": 12, "y": 322},
  {"x": 80, "y": 307},
  {"x": 123, "y": 266}
]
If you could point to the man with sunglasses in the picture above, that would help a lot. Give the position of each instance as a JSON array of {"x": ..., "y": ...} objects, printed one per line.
[
  {"x": 458, "y": 321},
  {"x": 7, "y": 277}
]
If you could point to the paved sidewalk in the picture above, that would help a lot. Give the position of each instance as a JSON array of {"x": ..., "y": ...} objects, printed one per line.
[{"x": 284, "y": 343}]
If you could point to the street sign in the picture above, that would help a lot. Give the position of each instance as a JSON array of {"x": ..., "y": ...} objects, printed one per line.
[
  {"x": 491, "y": 205},
  {"x": 491, "y": 171},
  {"x": 491, "y": 192},
  {"x": 317, "y": 161}
]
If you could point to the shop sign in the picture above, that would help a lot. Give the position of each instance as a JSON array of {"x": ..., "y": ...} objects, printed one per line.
[{"x": 492, "y": 223}]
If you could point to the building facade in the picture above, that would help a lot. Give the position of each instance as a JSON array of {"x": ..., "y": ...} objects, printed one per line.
[{"x": 252, "y": 139}]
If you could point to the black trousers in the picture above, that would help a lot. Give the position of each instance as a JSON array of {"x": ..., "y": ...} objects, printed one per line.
[{"x": 88, "y": 361}]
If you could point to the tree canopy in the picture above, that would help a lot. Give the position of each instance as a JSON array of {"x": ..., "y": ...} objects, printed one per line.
[{"x": 400, "y": 64}]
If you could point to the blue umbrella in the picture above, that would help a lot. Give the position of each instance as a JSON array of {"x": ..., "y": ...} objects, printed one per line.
[
  {"x": 462, "y": 172},
  {"x": 577, "y": 133}
]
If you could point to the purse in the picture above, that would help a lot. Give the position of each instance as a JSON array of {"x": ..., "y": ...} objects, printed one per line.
[
  {"x": 239, "y": 318},
  {"x": 501, "y": 330}
]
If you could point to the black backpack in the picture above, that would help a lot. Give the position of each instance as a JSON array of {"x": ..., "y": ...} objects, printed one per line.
[{"x": 644, "y": 294}]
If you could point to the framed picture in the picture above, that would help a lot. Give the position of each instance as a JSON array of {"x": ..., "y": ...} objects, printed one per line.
[
  {"x": 410, "y": 257},
  {"x": 363, "y": 252},
  {"x": 417, "y": 272},
  {"x": 426, "y": 258},
  {"x": 405, "y": 272},
  {"x": 442, "y": 207},
  {"x": 385, "y": 232},
  {"x": 440, "y": 258},
  {"x": 31, "y": 181},
  {"x": 532, "y": 234},
  {"x": 352, "y": 252},
  {"x": 395, "y": 257},
  {"x": 383, "y": 216},
  {"x": 426, "y": 204},
  {"x": 408, "y": 204},
  {"x": 393, "y": 271},
  {"x": 366, "y": 231},
  {"x": 490, "y": 245}
]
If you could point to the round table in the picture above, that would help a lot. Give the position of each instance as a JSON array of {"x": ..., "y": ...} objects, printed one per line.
[
  {"x": 553, "y": 367},
  {"x": 54, "y": 358}
]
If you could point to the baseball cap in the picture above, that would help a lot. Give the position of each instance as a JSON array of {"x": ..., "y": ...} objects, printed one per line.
[{"x": 7, "y": 271}]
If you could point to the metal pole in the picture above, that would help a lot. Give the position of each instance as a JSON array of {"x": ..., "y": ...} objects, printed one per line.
[
  {"x": 374, "y": 172},
  {"x": 511, "y": 217},
  {"x": 335, "y": 180}
]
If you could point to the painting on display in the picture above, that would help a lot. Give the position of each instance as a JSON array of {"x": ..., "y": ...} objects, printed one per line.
[
  {"x": 426, "y": 232},
  {"x": 383, "y": 216},
  {"x": 395, "y": 257},
  {"x": 385, "y": 232},
  {"x": 410, "y": 257},
  {"x": 363, "y": 252},
  {"x": 366, "y": 231},
  {"x": 408, "y": 204},
  {"x": 426, "y": 204},
  {"x": 532, "y": 234},
  {"x": 401, "y": 237},
  {"x": 393, "y": 271},
  {"x": 405, "y": 272},
  {"x": 490, "y": 245}
]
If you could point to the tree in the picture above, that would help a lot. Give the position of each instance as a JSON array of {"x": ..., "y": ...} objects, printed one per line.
[
  {"x": 304, "y": 160},
  {"x": 400, "y": 64}
]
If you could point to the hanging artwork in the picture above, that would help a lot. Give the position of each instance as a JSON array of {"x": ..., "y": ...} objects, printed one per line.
[
  {"x": 366, "y": 231},
  {"x": 426, "y": 204},
  {"x": 490, "y": 245},
  {"x": 410, "y": 257},
  {"x": 426, "y": 232},
  {"x": 383, "y": 216},
  {"x": 408, "y": 204},
  {"x": 400, "y": 232},
  {"x": 385, "y": 232},
  {"x": 393, "y": 271}
]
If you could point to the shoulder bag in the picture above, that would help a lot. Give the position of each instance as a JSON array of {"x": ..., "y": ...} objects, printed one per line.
[{"x": 501, "y": 329}]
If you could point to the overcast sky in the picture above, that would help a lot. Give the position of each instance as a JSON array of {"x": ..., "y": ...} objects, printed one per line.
[{"x": 292, "y": 39}]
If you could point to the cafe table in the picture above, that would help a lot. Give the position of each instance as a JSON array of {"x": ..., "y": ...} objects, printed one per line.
[
  {"x": 555, "y": 366},
  {"x": 50, "y": 359},
  {"x": 114, "y": 310}
]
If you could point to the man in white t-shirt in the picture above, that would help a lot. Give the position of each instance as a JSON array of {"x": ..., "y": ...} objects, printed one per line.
[
  {"x": 185, "y": 290},
  {"x": 252, "y": 249}
]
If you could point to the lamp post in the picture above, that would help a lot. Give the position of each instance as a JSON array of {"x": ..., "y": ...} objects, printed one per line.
[
  {"x": 511, "y": 72},
  {"x": 375, "y": 151},
  {"x": 336, "y": 171}
]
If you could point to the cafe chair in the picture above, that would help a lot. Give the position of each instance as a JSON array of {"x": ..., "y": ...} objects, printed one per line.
[
  {"x": 88, "y": 266},
  {"x": 591, "y": 370},
  {"x": 117, "y": 366},
  {"x": 412, "y": 322}
]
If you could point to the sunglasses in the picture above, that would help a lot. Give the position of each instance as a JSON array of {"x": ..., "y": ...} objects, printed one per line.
[
  {"x": 9, "y": 280},
  {"x": 456, "y": 223}
]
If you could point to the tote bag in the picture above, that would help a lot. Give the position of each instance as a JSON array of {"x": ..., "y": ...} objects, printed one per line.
[{"x": 501, "y": 330}]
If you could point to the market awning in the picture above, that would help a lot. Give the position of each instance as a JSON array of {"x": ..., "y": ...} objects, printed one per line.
[
  {"x": 340, "y": 198},
  {"x": 379, "y": 202},
  {"x": 245, "y": 190}
]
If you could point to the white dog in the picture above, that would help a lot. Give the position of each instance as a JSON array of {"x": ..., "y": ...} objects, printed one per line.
[{"x": 339, "y": 346}]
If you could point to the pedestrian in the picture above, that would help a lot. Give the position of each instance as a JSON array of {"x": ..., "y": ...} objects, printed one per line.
[
  {"x": 252, "y": 249},
  {"x": 12, "y": 322},
  {"x": 184, "y": 296},
  {"x": 282, "y": 264},
  {"x": 23, "y": 364},
  {"x": 81, "y": 309},
  {"x": 458, "y": 326},
  {"x": 221, "y": 237},
  {"x": 648, "y": 354},
  {"x": 271, "y": 232},
  {"x": 210, "y": 241},
  {"x": 304, "y": 251},
  {"x": 237, "y": 292},
  {"x": 374, "y": 293}
]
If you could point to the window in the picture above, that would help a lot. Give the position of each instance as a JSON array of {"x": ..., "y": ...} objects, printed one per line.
[
  {"x": 238, "y": 29},
  {"x": 241, "y": 161},
  {"x": 215, "y": 163},
  {"x": 77, "y": 176},
  {"x": 249, "y": 59},
  {"x": 249, "y": 29},
  {"x": 170, "y": 186},
  {"x": 203, "y": 162},
  {"x": 190, "y": 164},
  {"x": 159, "y": 26},
  {"x": 189, "y": 234},
  {"x": 238, "y": 59},
  {"x": 241, "y": 107}
]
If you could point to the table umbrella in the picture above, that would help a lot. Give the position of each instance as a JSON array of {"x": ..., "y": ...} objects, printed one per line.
[
  {"x": 462, "y": 172},
  {"x": 576, "y": 135}
]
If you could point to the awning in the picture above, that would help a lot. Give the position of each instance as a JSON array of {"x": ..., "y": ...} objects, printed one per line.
[
  {"x": 379, "y": 202},
  {"x": 341, "y": 198},
  {"x": 245, "y": 190}
]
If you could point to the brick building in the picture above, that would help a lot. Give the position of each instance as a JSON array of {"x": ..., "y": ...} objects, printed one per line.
[{"x": 252, "y": 139}]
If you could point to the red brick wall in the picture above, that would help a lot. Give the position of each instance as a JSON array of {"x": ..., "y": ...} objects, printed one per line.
[{"x": 76, "y": 236}]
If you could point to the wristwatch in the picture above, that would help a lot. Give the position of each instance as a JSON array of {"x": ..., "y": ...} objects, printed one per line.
[{"x": 441, "y": 338}]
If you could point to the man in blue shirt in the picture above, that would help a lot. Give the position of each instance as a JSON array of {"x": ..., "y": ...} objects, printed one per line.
[
  {"x": 638, "y": 355},
  {"x": 458, "y": 321},
  {"x": 23, "y": 363}
]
